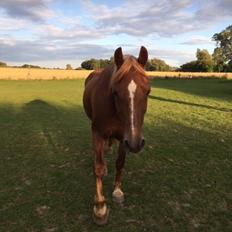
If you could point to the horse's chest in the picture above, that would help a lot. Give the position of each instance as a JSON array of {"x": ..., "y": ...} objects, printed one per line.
[{"x": 114, "y": 130}]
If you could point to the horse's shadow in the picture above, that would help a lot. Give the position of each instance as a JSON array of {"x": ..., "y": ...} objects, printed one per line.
[{"x": 67, "y": 125}]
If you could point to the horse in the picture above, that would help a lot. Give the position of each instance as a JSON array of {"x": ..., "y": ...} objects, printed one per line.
[{"x": 115, "y": 100}]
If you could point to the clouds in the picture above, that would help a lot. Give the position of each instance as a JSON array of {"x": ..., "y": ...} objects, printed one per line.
[
  {"x": 198, "y": 40},
  {"x": 74, "y": 32},
  {"x": 34, "y": 10},
  {"x": 30, "y": 51},
  {"x": 163, "y": 17},
  {"x": 172, "y": 56},
  {"x": 10, "y": 24},
  {"x": 39, "y": 30},
  {"x": 210, "y": 12},
  {"x": 31, "y": 31}
]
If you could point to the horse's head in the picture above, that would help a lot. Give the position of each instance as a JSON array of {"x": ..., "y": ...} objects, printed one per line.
[{"x": 130, "y": 89}]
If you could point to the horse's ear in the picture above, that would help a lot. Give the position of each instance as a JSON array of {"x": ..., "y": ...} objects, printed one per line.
[
  {"x": 118, "y": 57},
  {"x": 143, "y": 56}
]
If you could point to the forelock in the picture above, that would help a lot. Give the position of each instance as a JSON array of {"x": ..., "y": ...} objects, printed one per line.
[{"x": 129, "y": 63}]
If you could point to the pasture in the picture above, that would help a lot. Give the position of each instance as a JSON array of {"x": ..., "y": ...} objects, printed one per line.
[{"x": 181, "y": 181}]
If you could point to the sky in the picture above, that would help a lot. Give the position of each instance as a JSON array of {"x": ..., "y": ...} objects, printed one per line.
[{"x": 53, "y": 33}]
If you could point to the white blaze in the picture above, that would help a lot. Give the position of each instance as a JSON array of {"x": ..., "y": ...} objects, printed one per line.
[{"x": 132, "y": 88}]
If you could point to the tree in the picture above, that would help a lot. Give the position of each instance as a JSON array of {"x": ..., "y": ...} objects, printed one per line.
[
  {"x": 94, "y": 64},
  {"x": 152, "y": 65},
  {"x": 68, "y": 67},
  {"x": 104, "y": 63},
  {"x": 149, "y": 66},
  {"x": 191, "y": 66},
  {"x": 204, "y": 63},
  {"x": 218, "y": 60},
  {"x": 157, "y": 65},
  {"x": 204, "y": 60},
  {"x": 91, "y": 64},
  {"x": 224, "y": 41},
  {"x": 2, "y": 64},
  {"x": 229, "y": 67},
  {"x": 29, "y": 66},
  {"x": 87, "y": 65}
]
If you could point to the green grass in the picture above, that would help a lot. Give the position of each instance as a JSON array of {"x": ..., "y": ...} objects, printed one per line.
[{"x": 181, "y": 181}]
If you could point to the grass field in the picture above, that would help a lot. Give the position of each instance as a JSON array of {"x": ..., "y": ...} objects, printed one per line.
[
  {"x": 180, "y": 182},
  {"x": 51, "y": 74}
]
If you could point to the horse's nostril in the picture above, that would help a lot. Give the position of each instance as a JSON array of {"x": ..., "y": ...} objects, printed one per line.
[
  {"x": 142, "y": 143},
  {"x": 126, "y": 143},
  {"x": 134, "y": 145}
]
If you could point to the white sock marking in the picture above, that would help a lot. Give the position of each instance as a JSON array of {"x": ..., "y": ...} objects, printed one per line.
[{"x": 132, "y": 88}]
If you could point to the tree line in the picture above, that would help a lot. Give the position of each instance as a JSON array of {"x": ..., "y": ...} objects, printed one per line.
[
  {"x": 219, "y": 61},
  {"x": 152, "y": 64},
  {"x": 4, "y": 65}
]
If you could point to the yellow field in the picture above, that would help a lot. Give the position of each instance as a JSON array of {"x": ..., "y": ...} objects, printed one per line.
[
  {"x": 40, "y": 74},
  {"x": 50, "y": 74},
  {"x": 189, "y": 75}
]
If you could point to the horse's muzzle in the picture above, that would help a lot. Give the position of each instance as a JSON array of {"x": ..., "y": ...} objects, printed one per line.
[{"x": 134, "y": 145}]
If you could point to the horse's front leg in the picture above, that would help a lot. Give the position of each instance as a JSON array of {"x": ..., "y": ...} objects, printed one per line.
[
  {"x": 118, "y": 195},
  {"x": 100, "y": 211}
]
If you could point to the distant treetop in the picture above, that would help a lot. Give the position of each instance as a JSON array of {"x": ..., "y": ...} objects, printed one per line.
[{"x": 2, "y": 64}]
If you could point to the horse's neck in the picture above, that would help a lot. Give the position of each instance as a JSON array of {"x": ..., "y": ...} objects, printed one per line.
[{"x": 107, "y": 75}]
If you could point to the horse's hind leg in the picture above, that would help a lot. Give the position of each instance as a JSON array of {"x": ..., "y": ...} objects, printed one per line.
[
  {"x": 118, "y": 195},
  {"x": 100, "y": 211}
]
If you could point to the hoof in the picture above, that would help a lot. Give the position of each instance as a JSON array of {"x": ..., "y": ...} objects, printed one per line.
[
  {"x": 100, "y": 217},
  {"x": 118, "y": 196}
]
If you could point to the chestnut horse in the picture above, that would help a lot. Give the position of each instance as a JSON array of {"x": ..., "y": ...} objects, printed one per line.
[{"x": 115, "y": 100}]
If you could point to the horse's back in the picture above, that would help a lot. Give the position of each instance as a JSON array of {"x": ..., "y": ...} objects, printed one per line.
[
  {"x": 92, "y": 75},
  {"x": 89, "y": 85}
]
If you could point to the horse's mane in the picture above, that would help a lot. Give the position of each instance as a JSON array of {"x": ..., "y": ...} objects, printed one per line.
[{"x": 129, "y": 63}]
